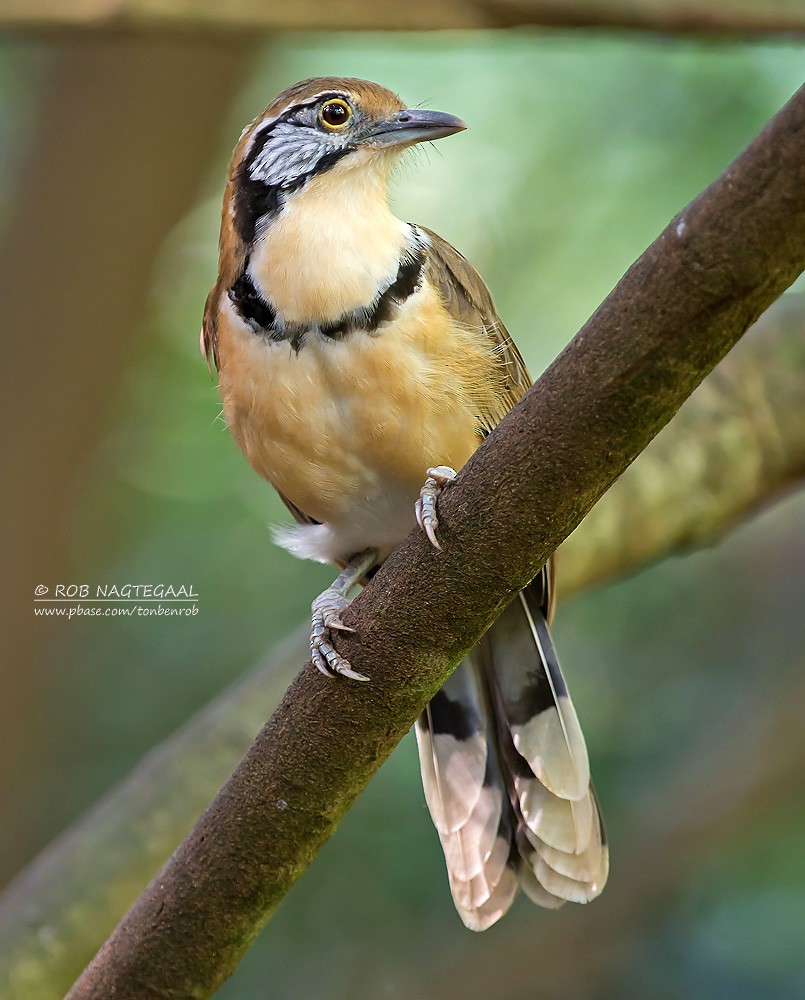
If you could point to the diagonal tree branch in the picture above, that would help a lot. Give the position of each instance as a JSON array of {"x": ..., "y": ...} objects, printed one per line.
[{"x": 672, "y": 317}]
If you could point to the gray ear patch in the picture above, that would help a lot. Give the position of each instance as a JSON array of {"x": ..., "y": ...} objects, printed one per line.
[{"x": 288, "y": 153}]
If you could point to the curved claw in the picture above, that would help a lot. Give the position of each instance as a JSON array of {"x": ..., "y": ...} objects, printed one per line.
[
  {"x": 430, "y": 531},
  {"x": 353, "y": 675},
  {"x": 319, "y": 662},
  {"x": 339, "y": 626}
]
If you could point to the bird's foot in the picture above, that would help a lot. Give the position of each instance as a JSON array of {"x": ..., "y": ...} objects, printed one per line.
[
  {"x": 326, "y": 618},
  {"x": 426, "y": 515}
]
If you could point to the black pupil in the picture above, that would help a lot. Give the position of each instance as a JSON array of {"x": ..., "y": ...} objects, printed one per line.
[{"x": 335, "y": 114}]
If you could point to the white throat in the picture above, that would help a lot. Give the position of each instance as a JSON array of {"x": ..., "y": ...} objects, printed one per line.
[{"x": 333, "y": 245}]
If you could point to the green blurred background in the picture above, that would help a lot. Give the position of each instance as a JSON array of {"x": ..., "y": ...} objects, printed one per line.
[{"x": 581, "y": 147}]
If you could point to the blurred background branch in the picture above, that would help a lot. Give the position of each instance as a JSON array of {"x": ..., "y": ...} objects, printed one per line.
[
  {"x": 109, "y": 170},
  {"x": 713, "y": 17},
  {"x": 737, "y": 445}
]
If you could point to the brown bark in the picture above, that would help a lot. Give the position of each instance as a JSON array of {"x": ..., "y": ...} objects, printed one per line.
[{"x": 674, "y": 315}]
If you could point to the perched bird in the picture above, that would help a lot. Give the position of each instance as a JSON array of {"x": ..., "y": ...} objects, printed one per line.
[{"x": 361, "y": 363}]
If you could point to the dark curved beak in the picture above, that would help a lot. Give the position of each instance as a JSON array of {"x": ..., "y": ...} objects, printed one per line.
[{"x": 414, "y": 125}]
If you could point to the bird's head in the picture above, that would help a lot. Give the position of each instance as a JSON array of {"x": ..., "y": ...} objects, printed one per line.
[{"x": 317, "y": 126}]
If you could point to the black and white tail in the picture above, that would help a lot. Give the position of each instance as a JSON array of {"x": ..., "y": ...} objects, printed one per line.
[{"x": 506, "y": 774}]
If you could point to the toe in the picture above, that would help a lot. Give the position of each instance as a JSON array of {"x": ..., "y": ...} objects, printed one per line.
[{"x": 319, "y": 662}]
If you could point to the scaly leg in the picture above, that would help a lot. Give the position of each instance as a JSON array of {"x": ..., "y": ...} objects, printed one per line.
[
  {"x": 426, "y": 516},
  {"x": 326, "y": 617}
]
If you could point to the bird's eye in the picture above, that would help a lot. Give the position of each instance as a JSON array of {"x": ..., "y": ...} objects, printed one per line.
[{"x": 335, "y": 114}]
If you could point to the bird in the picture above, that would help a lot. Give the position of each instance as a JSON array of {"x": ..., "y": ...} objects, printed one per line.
[{"x": 361, "y": 362}]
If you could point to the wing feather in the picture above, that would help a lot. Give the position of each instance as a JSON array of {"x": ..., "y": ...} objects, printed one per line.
[{"x": 467, "y": 299}]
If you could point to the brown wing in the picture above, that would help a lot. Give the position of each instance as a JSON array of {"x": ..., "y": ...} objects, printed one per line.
[
  {"x": 299, "y": 515},
  {"x": 232, "y": 254},
  {"x": 467, "y": 298},
  {"x": 209, "y": 329}
]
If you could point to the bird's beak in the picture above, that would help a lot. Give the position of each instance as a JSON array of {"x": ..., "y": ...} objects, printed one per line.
[{"x": 414, "y": 125}]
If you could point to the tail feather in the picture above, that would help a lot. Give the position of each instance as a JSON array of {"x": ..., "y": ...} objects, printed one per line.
[
  {"x": 468, "y": 850},
  {"x": 583, "y": 867},
  {"x": 452, "y": 738},
  {"x": 482, "y": 916},
  {"x": 577, "y": 890},
  {"x": 560, "y": 823},
  {"x": 534, "y": 701},
  {"x": 506, "y": 773},
  {"x": 535, "y": 891}
]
